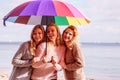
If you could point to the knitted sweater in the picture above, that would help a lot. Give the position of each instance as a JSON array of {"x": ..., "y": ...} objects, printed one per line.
[
  {"x": 22, "y": 63},
  {"x": 46, "y": 71}
]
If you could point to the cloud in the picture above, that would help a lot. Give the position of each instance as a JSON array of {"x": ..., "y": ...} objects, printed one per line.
[{"x": 104, "y": 16}]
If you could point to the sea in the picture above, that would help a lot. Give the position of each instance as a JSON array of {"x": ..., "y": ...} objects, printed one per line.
[{"x": 102, "y": 60}]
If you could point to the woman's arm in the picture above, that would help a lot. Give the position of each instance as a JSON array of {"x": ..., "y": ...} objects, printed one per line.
[
  {"x": 17, "y": 59},
  {"x": 78, "y": 59},
  {"x": 39, "y": 55},
  {"x": 56, "y": 65}
]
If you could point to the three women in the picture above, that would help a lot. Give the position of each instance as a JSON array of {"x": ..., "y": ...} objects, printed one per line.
[{"x": 50, "y": 56}]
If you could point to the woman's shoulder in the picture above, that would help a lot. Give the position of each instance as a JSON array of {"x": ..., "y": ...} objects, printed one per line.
[
  {"x": 43, "y": 45},
  {"x": 76, "y": 46},
  {"x": 62, "y": 47},
  {"x": 25, "y": 44}
]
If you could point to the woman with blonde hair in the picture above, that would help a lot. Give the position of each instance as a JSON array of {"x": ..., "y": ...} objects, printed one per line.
[
  {"x": 48, "y": 55},
  {"x": 73, "y": 60},
  {"x": 22, "y": 60}
]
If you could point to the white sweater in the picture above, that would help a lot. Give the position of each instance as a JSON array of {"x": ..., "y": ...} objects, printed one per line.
[{"x": 46, "y": 71}]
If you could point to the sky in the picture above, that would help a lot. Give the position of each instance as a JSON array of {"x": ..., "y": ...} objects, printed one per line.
[{"x": 104, "y": 26}]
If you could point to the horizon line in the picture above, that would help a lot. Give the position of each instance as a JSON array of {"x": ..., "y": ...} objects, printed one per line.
[{"x": 3, "y": 42}]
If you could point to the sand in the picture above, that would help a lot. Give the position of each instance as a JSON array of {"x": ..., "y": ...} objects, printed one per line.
[{"x": 5, "y": 76}]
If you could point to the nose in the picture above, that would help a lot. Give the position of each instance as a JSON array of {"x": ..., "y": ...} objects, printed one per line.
[
  {"x": 37, "y": 35},
  {"x": 67, "y": 34},
  {"x": 49, "y": 33}
]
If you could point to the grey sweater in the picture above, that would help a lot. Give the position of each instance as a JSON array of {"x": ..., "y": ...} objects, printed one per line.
[{"x": 21, "y": 61}]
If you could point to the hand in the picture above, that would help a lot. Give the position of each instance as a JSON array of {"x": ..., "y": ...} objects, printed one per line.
[
  {"x": 53, "y": 60},
  {"x": 63, "y": 65},
  {"x": 43, "y": 59},
  {"x": 35, "y": 59}
]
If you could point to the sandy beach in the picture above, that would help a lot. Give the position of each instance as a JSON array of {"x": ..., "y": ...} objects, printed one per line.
[{"x": 5, "y": 76}]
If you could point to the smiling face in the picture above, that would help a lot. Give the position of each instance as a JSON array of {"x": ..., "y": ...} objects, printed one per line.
[
  {"x": 37, "y": 35},
  {"x": 52, "y": 33},
  {"x": 68, "y": 35}
]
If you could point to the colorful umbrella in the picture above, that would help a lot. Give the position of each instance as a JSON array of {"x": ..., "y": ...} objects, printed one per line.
[{"x": 46, "y": 11}]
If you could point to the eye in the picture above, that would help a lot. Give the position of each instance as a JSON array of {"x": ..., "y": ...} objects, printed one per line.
[
  {"x": 66, "y": 32},
  {"x": 53, "y": 30},
  {"x": 34, "y": 33},
  {"x": 70, "y": 33},
  {"x": 39, "y": 32},
  {"x": 48, "y": 31}
]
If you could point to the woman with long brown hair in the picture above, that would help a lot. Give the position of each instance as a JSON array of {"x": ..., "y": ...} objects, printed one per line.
[{"x": 22, "y": 60}]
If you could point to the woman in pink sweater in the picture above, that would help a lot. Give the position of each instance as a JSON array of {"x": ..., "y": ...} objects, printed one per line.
[{"x": 48, "y": 56}]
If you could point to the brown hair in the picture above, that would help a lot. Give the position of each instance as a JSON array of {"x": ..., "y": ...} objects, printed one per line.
[
  {"x": 42, "y": 29},
  {"x": 58, "y": 40},
  {"x": 33, "y": 45}
]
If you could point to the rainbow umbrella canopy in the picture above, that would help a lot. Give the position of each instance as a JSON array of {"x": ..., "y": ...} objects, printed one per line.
[{"x": 44, "y": 12}]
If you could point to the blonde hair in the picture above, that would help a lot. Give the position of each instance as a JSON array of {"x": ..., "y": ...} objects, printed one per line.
[
  {"x": 75, "y": 36},
  {"x": 33, "y": 45},
  {"x": 58, "y": 40}
]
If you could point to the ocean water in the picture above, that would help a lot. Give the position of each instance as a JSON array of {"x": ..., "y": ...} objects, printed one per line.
[{"x": 102, "y": 61}]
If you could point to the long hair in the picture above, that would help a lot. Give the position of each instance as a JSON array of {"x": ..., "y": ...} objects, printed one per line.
[
  {"x": 33, "y": 45},
  {"x": 75, "y": 36},
  {"x": 58, "y": 40}
]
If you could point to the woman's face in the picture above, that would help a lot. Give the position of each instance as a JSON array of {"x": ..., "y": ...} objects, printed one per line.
[
  {"x": 52, "y": 33},
  {"x": 68, "y": 35},
  {"x": 37, "y": 35}
]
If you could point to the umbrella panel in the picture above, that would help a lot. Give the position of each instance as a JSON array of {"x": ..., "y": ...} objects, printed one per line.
[
  {"x": 45, "y": 12},
  {"x": 45, "y": 20}
]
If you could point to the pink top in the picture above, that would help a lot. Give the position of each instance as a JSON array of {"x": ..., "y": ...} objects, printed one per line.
[{"x": 46, "y": 71}]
